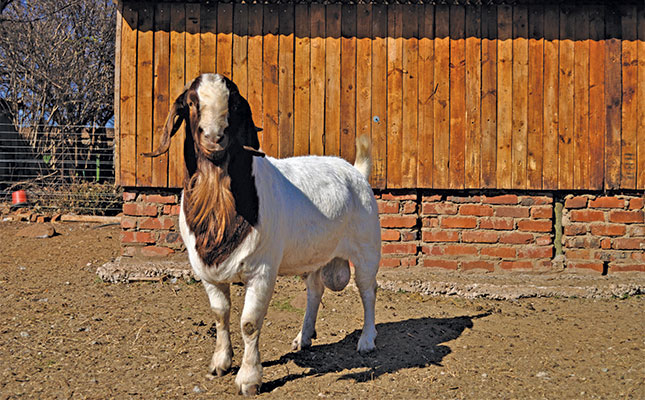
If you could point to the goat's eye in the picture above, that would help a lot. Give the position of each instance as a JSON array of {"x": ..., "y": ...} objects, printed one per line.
[{"x": 190, "y": 104}]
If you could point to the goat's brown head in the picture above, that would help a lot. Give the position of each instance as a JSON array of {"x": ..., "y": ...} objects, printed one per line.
[{"x": 218, "y": 119}]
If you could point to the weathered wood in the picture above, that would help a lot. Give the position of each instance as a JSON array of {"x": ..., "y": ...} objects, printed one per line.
[
  {"x": 364, "y": 70},
  {"x": 118, "y": 44},
  {"x": 441, "y": 138},
  {"x": 473, "y": 134},
  {"x": 426, "y": 94},
  {"x": 302, "y": 54},
  {"x": 565, "y": 95},
  {"x": 581, "y": 97},
  {"x": 332, "y": 72},
  {"x": 629, "y": 113},
  {"x": 128, "y": 101},
  {"x": 394, "y": 94},
  {"x": 285, "y": 80},
  {"x": 348, "y": 82},
  {"x": 410, "y": 106},
  {"x": 317, "y": 73},
  {"x": 240, "y": 47},
  {"x": 551, "y": 118},
  {"x": 505, "y": 96},
  {"x": 519, "y": 137},
  {"x": 224, "y": 39},
  {"x": 613, "y": 95},
  {"x": 208, "y": 37},
  {"x": 270, "y": 80},
  {"x": 255, "y": 74},
  {"x": 597, "y": 97},
  {"x": 489, "y": 97},
  {"x": 457, "y": 96},
  {"x": 161, "y": 89},
  {"x": 193, "y": 49},
  {"x": 640, "y": 141},
  {"x": 176, "y": 86},
  {"x": 536, "y": 98},
  {"x": 379, "y": 95}
]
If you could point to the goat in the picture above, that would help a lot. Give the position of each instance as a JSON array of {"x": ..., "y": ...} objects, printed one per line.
[{"x": 249, "y": 218}]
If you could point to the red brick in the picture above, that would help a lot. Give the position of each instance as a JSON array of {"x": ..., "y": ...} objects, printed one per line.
[
  {"x": 636, "y": 204},
  {"x": 170, "y": 238},
  {"x": 458, "y": 222},
  {"x": 592, "y": 242},
  {"x": 587, "y": 215},
  {"x": 430, "y": 222},
  {"x": 163, "y": 223},
  {"x": 409, "y": 236},
  {"x": 503, "y": 199},
  {"x": 460, "y": 249},
  {"x": 464, "y": 199},
  {"x": 542, "y": 212},
  {"x": 399, "y": 248},
  {"x": 541, "y": 200},
  {"x": 174, "y": 210},
  {"x": 626, "y": 217},
  {"x": 607, "y": 202},
  {"x": 138, "y": 209},
  {"x": 439, "y": 208},
  {"x": 516, "y": 265},
  {"x": 389, "y": 235},
  {"x": 156, "y": 251},
  {"x": 392, "y": 196},
  {"x": 501, "y": 252},
  {"x": 440, "y": 236},
  {"x": 636, "y": 230},
  {"x": 128, "y": 223},
  {"x": 156, "y": 198},
  {"x": 638, "y": 256},
  {"x": 579, "y": 254},
  {"x": 543, "y": 240},
  {"x": 409, "y": 207},
  {"x": 605, "y": 244},
  {"x": 390, "y": 262},
  {"x": 576, "y": 202},
  {"x": 432, "y": 198},
  {"x": 516, "y": 237},
  {"x": 479, "y": 236},
  {"x": 475, "y": 209},
  {"x": 445, "y": 264},
  {"x": 628, "y": 244},
  {"x": 408, "y": 261},
  {"x": 608, "y": 229},
  {"x": 388, "y": 207},
  {"x": 535, "y": 252},
  {"x": 515, "y": 212},
  {"x": 470, "y": 265},
  {"x": 398, "y": 221},
  {"x": 531, "y": 225},
  {"x": 137, "y": 237},
  {"x": 595, "y": 266},
  {"x": 496, "y": 223},
  {"x": 129, "y": 196},
  {"x": 627, "y": 267},
  {"x": 576, "y": 229}
]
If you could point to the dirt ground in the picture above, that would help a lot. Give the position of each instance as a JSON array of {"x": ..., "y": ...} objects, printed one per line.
[{"x": 64, "y": 333}]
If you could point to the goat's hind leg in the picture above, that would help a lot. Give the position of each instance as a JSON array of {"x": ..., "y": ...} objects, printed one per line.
[
  {"x": 315, "y": 290},
  {"x": 365, "y": 277},
  {"x": 219, "y": 295}
]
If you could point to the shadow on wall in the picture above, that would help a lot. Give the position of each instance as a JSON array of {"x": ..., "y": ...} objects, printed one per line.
[{"x": 405, "y": 344}]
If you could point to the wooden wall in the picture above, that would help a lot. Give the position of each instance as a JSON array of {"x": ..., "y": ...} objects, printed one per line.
[{"x": 539, "y": 97}]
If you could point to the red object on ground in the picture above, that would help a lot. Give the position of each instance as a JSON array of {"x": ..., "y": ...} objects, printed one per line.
[{"x": 18, "y": 198}]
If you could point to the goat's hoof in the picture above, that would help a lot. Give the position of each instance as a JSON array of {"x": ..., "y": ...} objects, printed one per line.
[{"x": 249, "y": 390}]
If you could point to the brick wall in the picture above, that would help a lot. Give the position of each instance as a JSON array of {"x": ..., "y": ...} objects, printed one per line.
[{"x": 449, "y": 231}]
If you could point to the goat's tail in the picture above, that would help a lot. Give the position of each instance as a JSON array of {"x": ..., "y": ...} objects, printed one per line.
[{"x": 363, "y": 161}]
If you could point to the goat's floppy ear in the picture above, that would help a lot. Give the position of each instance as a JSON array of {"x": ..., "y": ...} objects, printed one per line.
[{"x": 176, "y": 116}]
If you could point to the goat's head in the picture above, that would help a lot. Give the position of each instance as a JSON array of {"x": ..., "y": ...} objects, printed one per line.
[{"x": 217, "y": 117}]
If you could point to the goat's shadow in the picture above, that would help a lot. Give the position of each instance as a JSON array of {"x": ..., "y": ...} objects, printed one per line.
[{"x": 399, "y": 345}]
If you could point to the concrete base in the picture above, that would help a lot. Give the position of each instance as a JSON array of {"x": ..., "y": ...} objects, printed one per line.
[{"x": 128, "y": 269}]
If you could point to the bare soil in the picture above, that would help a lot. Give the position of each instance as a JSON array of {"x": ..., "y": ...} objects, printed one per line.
[{"x": 65, "y": 333}]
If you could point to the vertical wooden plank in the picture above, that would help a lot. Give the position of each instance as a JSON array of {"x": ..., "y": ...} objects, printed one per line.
[
  {"x": 270, "y": 88},
  {"x": 394, "y": 94},
  {"x": 285, "y": 81},
  {"x": 379, "y": 95},
  {"x": 597, "y": 97},
  {"x": 193, "y": 50},
  {"x": 363, "y": 70},
  {"x": 332, "y": 84},
  {"x": 208, "y": 37},
  {"x": 441, "y": 139},
  {"x": 145, "y": 41},
  {"x": 117, "y": 93},
  {"x": 520, "y": 97},
  {"x": 161, "y": 89},
  {"x": 489, "y": 97},
  {"x": 348, "y": 82},
  {"x": 565, "y": 95},
  {"x": 457, "y": 96},
  {"x": 536, "y": 97},
  {"x": 240, "y": 47},
  {"x": 301, "y": 80},
  {"x": 613, "y": 95},
  {"x": 224, "y": 39},
  {"x": 128, "y": 106},
  {"x": 176, "y": 87},
  {"x": 505, "y": 96},
  {"x": 410, "y": 109},
  {"x": 581, "y": 100},
  {"x": 255, "y": 72},
  {"x": 317, "y": 72},
  {"x": 426, "y": 95},
  {"x": 551, "y": 118},
  {"x": 640, "y": 142},
  {"x": 630, "y": 101},
  {"x": 473, "y": 135}
]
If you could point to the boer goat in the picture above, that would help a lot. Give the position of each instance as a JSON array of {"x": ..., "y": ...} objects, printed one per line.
[{"x": 249, "y": 218}]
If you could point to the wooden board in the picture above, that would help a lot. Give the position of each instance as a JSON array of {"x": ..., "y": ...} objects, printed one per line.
[
  {"x": 536, "y": 98},
  {"x": 519, "y": 140},
  {"x": 426, "y": 95},
  {"x": 613, "y": 95},
  {"x": 145, "y": 42},
  {"x": 581, "y": 158},
  {"x": 441, "y": 134},
  {"x": 596, "y": 97},
  {"x": 457, "y": 96},
  {"x": 128, "y": 106},
  {"x": 161, "y": 90},
  {"x": 550, "y": 139},
  {"x": 176, "y": 87},
  {"x": 473, "y": 136},
  {"x": 394, "y": 94},
  {"x": 240, "y": 47},
  {"x": 271, "y": 77},
  {"x": 117, "y": 93},
  {"x": 208, "y": 37},
  {"x": 565, "y": 95},
  {"x": 363, "y": 70},
  {"x": 224, "y": 39},
  {"x": 379, "y": 96},
  {"x": 193, "y": 49},
  {"x": 348, "y": 82},
  {"x": 318, "y": 83},
  {"x": 255, "y": 74},
  {"x": 489, "y": 98},
  {"x": 630, "y": 101},
  {"x": 410, "y": 97},
  {"x": 285, "y": 80},
  {"x": 332, "y": 84},
  {"x": 505, "y": 96},
  {"x": 640, "y": 141},
  {"x": 302, "y": 54}
]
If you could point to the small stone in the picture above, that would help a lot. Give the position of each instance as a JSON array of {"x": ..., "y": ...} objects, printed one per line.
[
  {"x": 40, "y": 231},
  {"x": 605, "y": 370},
  {"x": 24, "y": 334},
  {"x": 197, "y": 389}
]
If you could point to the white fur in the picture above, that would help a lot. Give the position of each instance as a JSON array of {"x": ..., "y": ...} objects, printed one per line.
[{"x": 213, "y": 105}]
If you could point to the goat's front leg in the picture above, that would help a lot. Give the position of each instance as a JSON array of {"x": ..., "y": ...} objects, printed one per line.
[
  {"x": 315, "y": 290},
  {"x": 256, "y": 302},
  {"x": 219, "y": 296}
]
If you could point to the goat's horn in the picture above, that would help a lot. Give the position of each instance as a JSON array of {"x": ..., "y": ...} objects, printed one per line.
[{"x": 258, "y": 129}]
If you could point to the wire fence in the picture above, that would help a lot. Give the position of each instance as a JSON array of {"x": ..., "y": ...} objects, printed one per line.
[{"x": 62, "y": 169}]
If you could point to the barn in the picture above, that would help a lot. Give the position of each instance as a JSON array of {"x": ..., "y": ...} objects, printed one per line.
[{"x": 507, "y": 134}]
